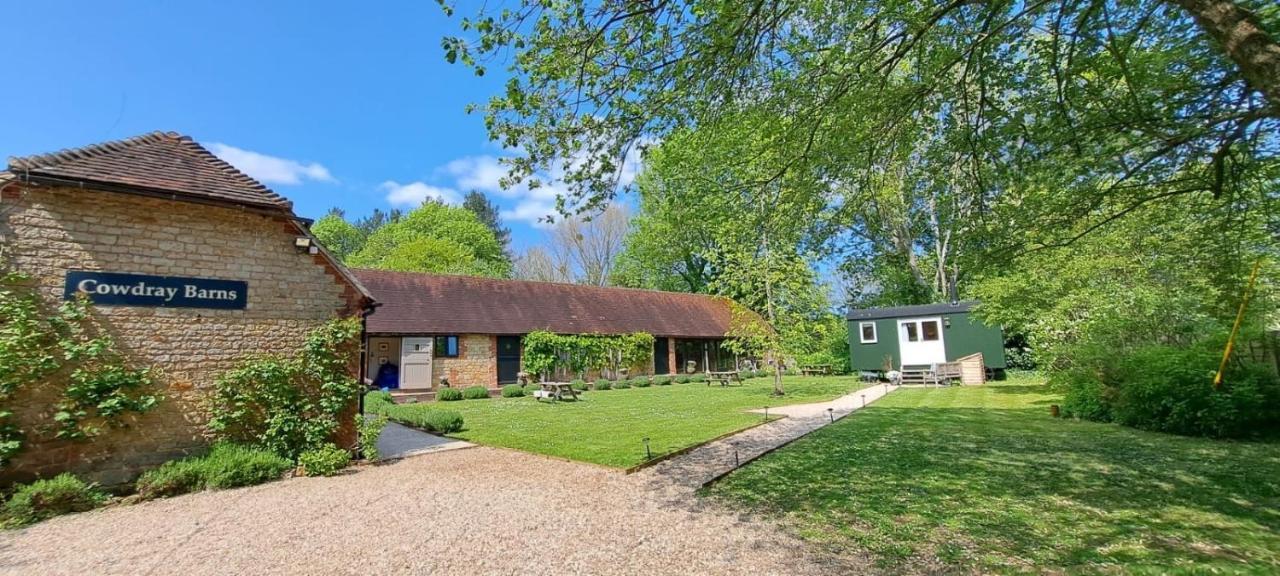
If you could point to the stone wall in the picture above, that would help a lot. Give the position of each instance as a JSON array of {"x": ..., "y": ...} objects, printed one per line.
[
  {"x": 47, "y": 231},
  {"x": 476, "y": 364}
]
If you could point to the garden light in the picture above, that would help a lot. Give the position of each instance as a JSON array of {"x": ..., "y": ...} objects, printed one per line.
[
  {"x": 648, "y": 455},
  {"x": 831, "y": 414}
]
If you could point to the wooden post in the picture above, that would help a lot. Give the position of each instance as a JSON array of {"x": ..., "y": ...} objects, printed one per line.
[{"x": 1231, "y": 340}]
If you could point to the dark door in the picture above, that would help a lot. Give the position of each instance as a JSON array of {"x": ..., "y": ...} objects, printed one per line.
[
  {"x": 660, "y": 352},
  {"x": 508, "y": 359}
]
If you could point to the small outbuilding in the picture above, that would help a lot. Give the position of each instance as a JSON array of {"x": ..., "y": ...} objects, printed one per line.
[{"x": 882, "y": 339}]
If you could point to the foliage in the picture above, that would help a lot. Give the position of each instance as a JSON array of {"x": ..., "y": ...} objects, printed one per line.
[
  {"x": 1017, "y": 490},
  {"x": 545, "y": 352},
  {"x": 475, "y": 393},
  {"x": 641, "y": 382},
  {"x": 339, "y": 237},
  {"x": 487, "y": 212},
  {"x": 621, "y": 385},
  {"x": 512, "y": 391},
  {"x": 435, "y": 238},
  {"x": 225, "y": 466},
  {"x": 579, "y": 385},
  {"x": 448, "y": 394},
  {"x": 376, "y": 400},
  {"x": 369, "y": 428},
  {"x": 609, "y": 428},
  {"x": 290, "y": 405},
  {"x": 326, "y": 460},
  {"x": 65, "y": 348},
  {"x": 424, "y": 416},
  {"x": 581, "y": 249},
  {"x": 662, "y": 380},
  {"x": 603, "y": 384},
  {"x": 698, "y": 378},
  {"x": 682, "y": 379},
  {"x": 43, "y": 499}
]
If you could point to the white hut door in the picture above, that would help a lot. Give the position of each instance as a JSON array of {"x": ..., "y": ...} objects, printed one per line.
[
  {"x": 415, "y": 363},
  {"x": 920, "y": 341}
]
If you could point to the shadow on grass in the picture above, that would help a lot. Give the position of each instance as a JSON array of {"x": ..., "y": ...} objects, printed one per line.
[{"x": 1001, "y": 489}]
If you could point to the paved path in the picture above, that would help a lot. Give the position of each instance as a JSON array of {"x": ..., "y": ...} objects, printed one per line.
[
  {"x": 473, "y": 511},
  {"x": 402, "y": 441},
  {"x": 710, "y": 461}
]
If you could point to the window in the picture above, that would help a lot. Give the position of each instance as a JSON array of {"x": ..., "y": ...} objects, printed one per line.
[
  {"x": 868, "y": 332},
  {"x": 912, "y": 334},
  {"x": 446, "y": 347},
  {"x": 929, "y": 329}
]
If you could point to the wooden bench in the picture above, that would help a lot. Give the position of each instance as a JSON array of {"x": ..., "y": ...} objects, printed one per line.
[
  {"x": 724, "y": 377},
  {"x": 555, "y": 391},
  {"x": 816, "y": 370}
]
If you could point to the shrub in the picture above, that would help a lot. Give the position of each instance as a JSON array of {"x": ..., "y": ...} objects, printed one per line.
[
  {"x": 425, "y": 417},
  {"x": 369, "y": 429},
  {"x": 1084, "y": 397},
  {"x": 682, "y": 379},
  {"x": 661, "y": 380},
  {"x": 449, "y": 394},
  {"x": 289, "y": 405},
  {"x": 374, "y": 401},
  {"x": 225, "y": 466},
  {"x": 512, "y": 391},
  {"x": 603, "y": 384},
  {"x": 621, "y": 385},
  {"x": 324, "y": 461},
  {"x": 641, "y": 382},
  {"x": 42, "y": 499},
  {"x": 699, "y": 378},
  {"x": 475, "y": 392},
  {"x": 579, "y": 385}
]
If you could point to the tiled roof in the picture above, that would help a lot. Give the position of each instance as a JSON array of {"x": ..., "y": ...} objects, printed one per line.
[
  {"x": 156, "y": 162},
  {"x": 413, "y": 303},
  {"x": 906, "y": 311}
]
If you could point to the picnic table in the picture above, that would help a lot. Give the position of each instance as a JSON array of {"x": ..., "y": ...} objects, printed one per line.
[
  {"x": 724, "y": 377},
  {"x": 555, "y": 391},
  {"x": 816, "y": 370}
]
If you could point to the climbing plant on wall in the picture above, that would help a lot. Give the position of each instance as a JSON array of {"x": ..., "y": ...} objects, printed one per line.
[
  {"x": 545, "y": 352},
  {"x": 62, "y": 347}
]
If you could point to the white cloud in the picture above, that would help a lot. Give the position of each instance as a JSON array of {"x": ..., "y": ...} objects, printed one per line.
[
  {"x": 270, "y": 169},
  {"x": 413, "y": 194}
]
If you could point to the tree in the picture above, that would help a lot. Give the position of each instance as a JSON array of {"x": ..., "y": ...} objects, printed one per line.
[
  {"x": 487, "y": 212},
  {"x": 340, "y": 237},
  {"x": 581, "y": 250},
  {"x": 371, "y": 223},
  {"x": 1045, "y": 114},
  {"x": 669, "y": 240},
  {"x": 536, "y": 264},
  {"x": 435, "y": 238}
]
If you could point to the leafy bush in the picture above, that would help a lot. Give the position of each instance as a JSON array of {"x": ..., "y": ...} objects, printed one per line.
[
  {"x": 370, "y": 428},
  {"x": 42, "y": 499},
  {"x": 661, "y": 380},
  {"x": 699, "y": 378},
  {"x": 225, "y": 466},
  {"x": 374, "y": 401},
  {"x": 682, "y": 379},
  {"x": 326, "y": 460},
  {"x": 621, "y": 385},
  {"x": 448, "y": 394},
  {"x": 642, "y": 382},
  {"x": 290, "y": 405},
  {"x": 475, "y": 392},
  {"x": 579, "y": 385},
  {"x": 1168, "y": 388},
  {"x": 603, "y": 384},
  {"x": 512, "y": 391}
]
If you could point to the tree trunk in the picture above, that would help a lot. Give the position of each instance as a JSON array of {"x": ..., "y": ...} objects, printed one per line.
[{"x": 1243, "y": 39}]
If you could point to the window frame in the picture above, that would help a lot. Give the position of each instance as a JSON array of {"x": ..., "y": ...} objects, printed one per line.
[
  {"x": 438, "y": 351},
  {"x": 937, "y": 330},
  {"x": 862, "y": 333}
]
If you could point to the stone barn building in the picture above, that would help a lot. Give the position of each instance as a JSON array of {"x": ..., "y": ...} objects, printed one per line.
[{"x": 243, "y": 273}]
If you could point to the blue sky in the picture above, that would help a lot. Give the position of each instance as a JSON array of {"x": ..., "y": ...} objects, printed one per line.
[{"x": 330, "y": 104}]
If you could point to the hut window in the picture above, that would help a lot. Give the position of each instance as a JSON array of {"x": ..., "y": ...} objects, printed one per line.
[
  {"x": 446, "y": 347},
  {"x": 912, "y": 334},
  {"x": 929, "y": 330},
  {"x": 868, "y": 332}
]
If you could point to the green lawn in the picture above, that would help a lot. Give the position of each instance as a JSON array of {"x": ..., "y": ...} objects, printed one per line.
[
  {"x": 983, "y": 479},
  {"x": 607, "y": 427}
]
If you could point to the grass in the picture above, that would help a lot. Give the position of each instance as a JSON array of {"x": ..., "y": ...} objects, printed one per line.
[
  {"x": 983, "y": 479},
  {"x": 607, "y": 427}
]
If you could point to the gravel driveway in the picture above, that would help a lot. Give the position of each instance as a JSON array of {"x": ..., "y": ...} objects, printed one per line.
[{"x": 473, "y": 511}]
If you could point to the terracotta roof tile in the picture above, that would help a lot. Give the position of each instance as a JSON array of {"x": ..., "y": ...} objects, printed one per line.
[
  {"x": 413, "y": 303},
  {"x": 159, "y": 161}
]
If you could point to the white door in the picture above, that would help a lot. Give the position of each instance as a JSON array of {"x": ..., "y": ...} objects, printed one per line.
[
  {"x": 415, "y": 363},
  {"x": 920, "y": 341}
]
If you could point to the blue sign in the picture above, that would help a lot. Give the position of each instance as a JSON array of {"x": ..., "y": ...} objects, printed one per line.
[{"x": 112, "y": 289}]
